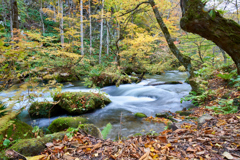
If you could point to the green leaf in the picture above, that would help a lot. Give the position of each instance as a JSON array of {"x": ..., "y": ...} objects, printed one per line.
[
  {"x": 6, "y": 142},
  {"x": 212, "y": 13},
  {"x": 106, "y": 130}
]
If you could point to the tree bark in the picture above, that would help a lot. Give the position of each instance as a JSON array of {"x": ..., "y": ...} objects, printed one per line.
[
  {"x": 184, "y": 60},
  {"x": 81, "y": 19},
  {"x": 224, "y": 55},
  {"x": 225, "y": 33},
  {"x": 90, "y": 27},
  {"x": 42, "y": 23},
  {"x": 101, "y": 34},
  {"x": 61, "y": 23},
  {"x": 4, "y": 13},
  {"x": 14, "y": 12},
  {"x": 107, "y": 37}
]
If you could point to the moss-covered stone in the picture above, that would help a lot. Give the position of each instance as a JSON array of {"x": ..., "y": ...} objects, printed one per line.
[
  {"x": 17, "y": 130},
  {"x": 76, "y": 103},
  {"x": 44, "y": 110},
  {"x": 140, "y": 115},
  {"x": 109, "y": 78},
  {"x": 69, "y": 78},
  {"x": 184, "y": 113},
  {"x": 182, "y": 69},
  {"x": 63, "y": 123},
  {"x": 92, "y": 130},
  {"x": 34, "y": 146}
]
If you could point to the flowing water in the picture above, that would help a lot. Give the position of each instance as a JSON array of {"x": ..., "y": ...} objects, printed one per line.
[{"x": 128, "y": 99}]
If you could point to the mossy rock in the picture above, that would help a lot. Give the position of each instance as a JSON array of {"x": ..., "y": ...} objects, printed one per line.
[
  {"x": 110, "y": 78},
  {"x": 48, "y": 77},
  {"x": 182, "y": 69},
  {"x": 184, "y": 113},
  {"x": 17, "y": 131},
  {"x": 63, "y": 123},
  {"x": 44, "y": 110},
  {"x": 69, "y": 78},
  {"x": 140, "y": 115},
  {"x": 34, "y": 146},
  {"x": 2, "y": 107},
  {"x": 76, "y": 103},
  {"x": 92, "y": 130}
]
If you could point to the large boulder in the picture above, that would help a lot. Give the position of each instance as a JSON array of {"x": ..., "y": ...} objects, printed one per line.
[
  {"x": 63, "y": 123},
  {"x": 34, "y": 146},
  {"x": 76, "y": 103},
  {"x": 109, "y": 78},
  {"x": 44, "y": 110},
  {"x": 17, "y": 130}
]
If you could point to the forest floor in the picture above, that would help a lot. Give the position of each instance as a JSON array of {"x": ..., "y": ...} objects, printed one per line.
[{"x": 216, "y": 138}]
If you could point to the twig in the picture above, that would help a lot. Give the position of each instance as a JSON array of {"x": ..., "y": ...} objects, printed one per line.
[{"x": 119, "y": 134}]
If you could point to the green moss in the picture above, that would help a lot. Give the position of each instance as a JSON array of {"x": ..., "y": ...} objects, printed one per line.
[
  {"x": 140, "y": 115},
  {"x": 92, "y": 130},
  {"x": 182, "y": 69},
  {"x": 44, "y": 110},
  {"x": 63, "y": 123},
  {"x": 81, "y": 102},
  {"x": 18, "y": 129},
  {"x": 34, "y": 146},
  {"x": 69, "y": 78},
  {"x": 137, "y": 134},
  {"x": 184, "y": 113}
]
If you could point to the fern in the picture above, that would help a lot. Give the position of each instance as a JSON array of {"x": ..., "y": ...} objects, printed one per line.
[
  {"x": 226, "y": 76},
  {"x": 106, "y": 130}
]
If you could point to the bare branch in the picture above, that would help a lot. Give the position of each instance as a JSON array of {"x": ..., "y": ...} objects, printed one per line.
[{"x": 134, "y": 8}]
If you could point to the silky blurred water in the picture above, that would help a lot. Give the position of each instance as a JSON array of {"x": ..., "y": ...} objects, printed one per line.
[{"x": 126, "y": 100}]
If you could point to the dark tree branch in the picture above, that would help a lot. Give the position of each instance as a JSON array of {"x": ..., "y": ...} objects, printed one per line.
[{"x": 145, "y": 2}]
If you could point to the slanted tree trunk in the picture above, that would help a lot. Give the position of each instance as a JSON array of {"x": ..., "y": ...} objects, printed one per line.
[
  {"x": 101, "y": 34},
  {"x": 225, "y": 33},
  {"x": 42, "y": 23},
  {"x": 61, "y": 23},
  {"x": 90, "y": 27},
  {"x": 184, "y": 60}
]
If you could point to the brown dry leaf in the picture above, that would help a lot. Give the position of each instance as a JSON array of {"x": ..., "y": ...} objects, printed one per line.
[
  {"x": 221, "y": 122},
  {"x": 147, "y": 151},
  {"x": 163, "y": 139},
  {"x": 189, "y": 149},
  {"x": 227, "y": 155},
  {"x": 180, "y": 131}
]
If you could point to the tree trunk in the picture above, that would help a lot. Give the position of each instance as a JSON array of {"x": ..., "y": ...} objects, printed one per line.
[
  {"x": 101, "y": 34},
  {"x": 42, "y": 23},
  {"x": 184, "y": 60},
  {"x": 107, "y": 37},
  {"x": 14, "y": 12},
  {"x": 225, "y": 33},
  {"x": 11, "y": 22},
  {"x": 81, "y": 19},
  {"x": 54, "y": 12},
  {"x": 224, "y": 55},
  {"x": 90, "y": 27},
  {"x": 61, "y": 23},
  {"x": 4, "y": 13}
]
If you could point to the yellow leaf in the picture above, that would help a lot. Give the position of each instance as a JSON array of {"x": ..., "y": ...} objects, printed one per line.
[{"x": 36, "y": 157}]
